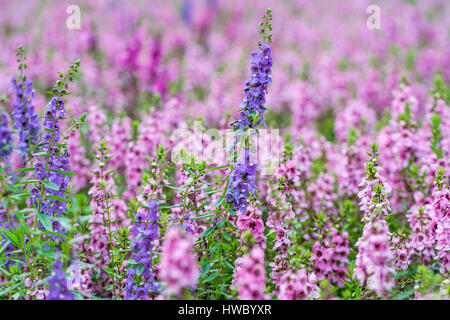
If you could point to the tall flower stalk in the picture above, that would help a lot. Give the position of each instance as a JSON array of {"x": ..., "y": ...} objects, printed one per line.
[
  {"x": 58, "y": 289},
  {"x": 53, "y": 172},
  {"x": 441, "y": 214},
  {"x": 179, "y": 270},
  {"x": 375, "y": 258},
  {"x": 141, "y": 282},
  {"x": 5, "y": 137},
  {"x": 26, "y": 120},
  {"x": 101, "y": 202},
  {"x": 141, "y": 279},
  {"x": 251, "y": 114}
]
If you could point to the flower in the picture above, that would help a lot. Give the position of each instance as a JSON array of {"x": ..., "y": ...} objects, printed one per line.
[
  {"x": 58, "y": 284},
  {"x": 5, "y": 136},
  {"x": 298, "y": 286},
  {"x": 373, "y": 265},
  {"x": 355, "y": 115},
  {"x": 252, "y": 221},
  {"x": 441, "y": 215},
  {"x": 255, "y": 88},
  {"x": 330, "y": 257},
  {"x": 108, "y": 214},
  {"x": 373, "y": 196},
  {"x": 25, "y": 118},
  {"x": 422, "y": 239},
  {"x": 374, "y": 258},
  {"x": 56, "y": 163},
  {"x": 242, "y": 180},
  {"x": 35, "y": 291},
  {"x": 141, "y": 280},
  {"x": 250, "y": 276},
  {"x": 178, "y": 263}
]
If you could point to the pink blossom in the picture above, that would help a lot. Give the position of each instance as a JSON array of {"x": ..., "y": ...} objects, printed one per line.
[
  {"x": 250, "y": 276},
  {"x": 298, "y": 286},
  {"x": 178, "y": 263},
  {"x": 374, "y": 258}
]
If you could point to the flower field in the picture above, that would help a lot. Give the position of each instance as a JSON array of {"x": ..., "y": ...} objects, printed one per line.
[{"x": 222, "y": 150}]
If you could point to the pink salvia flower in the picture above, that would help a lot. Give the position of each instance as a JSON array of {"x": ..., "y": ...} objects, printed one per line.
[
  {"x": 298, "y": 286},
  {"x": 178, "y": 265},
  {"x": 374, "y": 258},
  {"x": 441, "y": 214},
  {"x": 250, "y": 277}
]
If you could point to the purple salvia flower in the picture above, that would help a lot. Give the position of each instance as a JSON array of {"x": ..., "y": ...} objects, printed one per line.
[
  {"x": 242, "y": 180},
  {"x": 6, "y": 218},
  {"x": 5, "y": 136},
  {"x": 26, "y": 120},
  {"x": 255, "y": 89},
  {"x": 58, "y": 159},
  {"x": 58, "y": 289},
  {"x": 141, "y": 280},
  {"x": 375, "y": 259}
]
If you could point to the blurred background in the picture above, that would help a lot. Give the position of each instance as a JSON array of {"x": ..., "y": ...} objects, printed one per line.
[{"x": 136, "y": 55}]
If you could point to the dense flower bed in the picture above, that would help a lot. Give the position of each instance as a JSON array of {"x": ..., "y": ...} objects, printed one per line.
[{"x": 100, "y": 199}]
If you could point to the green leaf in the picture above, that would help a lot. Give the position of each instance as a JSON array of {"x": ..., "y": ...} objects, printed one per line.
[
  {"x": 45, "y": 220},
  {"x": 140, "y": 268},
  {"x": 219, "y": 201},
  {"x": 227, "y": 236},
  {"x": 23, "y": 169},
  {"x": 220, "y": 224},
  {"x": 7, "y": 242},
  {"x": 205, "y": 268},
  {"x": 26, "y": 182},
  {"x": 40, "y": 154},
  {"x": 20, "y": 195},
  {"x": 10, "y": 288},
  {"x": 51, "y": 185},
  {"x": 210, "y": 278},
  {"x": 171, "y": 187},
  {"x": 26, "y": 210},
  {"x": 207, "y": 232},
  {"x": 11, "y": 237},
  {"x": 217, "y": 168},
  {"x": 56, "y": 234},
  {"x": 215, "y": 247},
  {"x": 404, "y": 295},
  {"x": 58, "y": 198},
  {"x": 65, "y": 172},
  {"x": 228, "y": 264},
  {"x": 37, "y": 146}
]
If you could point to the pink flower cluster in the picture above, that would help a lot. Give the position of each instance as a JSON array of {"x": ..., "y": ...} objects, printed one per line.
[
  {"x": 356, "y": 115},
  {"x": 370, "y": 208},
  {"x": 178, "y": 268},
  {"x": 147, "y": 71},
  {"x": 374, "y": 259},
  {"x": 298, "y": 286},
  {"x": 422, "y": 240},
  {"x": 250, "y": 277},
  {"x": 330, "y": 257},
  {"x": 441, "y": 214},
  {"x": 252, "y": 221}
]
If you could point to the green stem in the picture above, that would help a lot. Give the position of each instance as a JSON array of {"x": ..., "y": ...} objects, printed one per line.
[
  {"x": 220, "y": 262},
  {"x": 47, "y": 159},
  {"x": 108, "y": 221}
]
